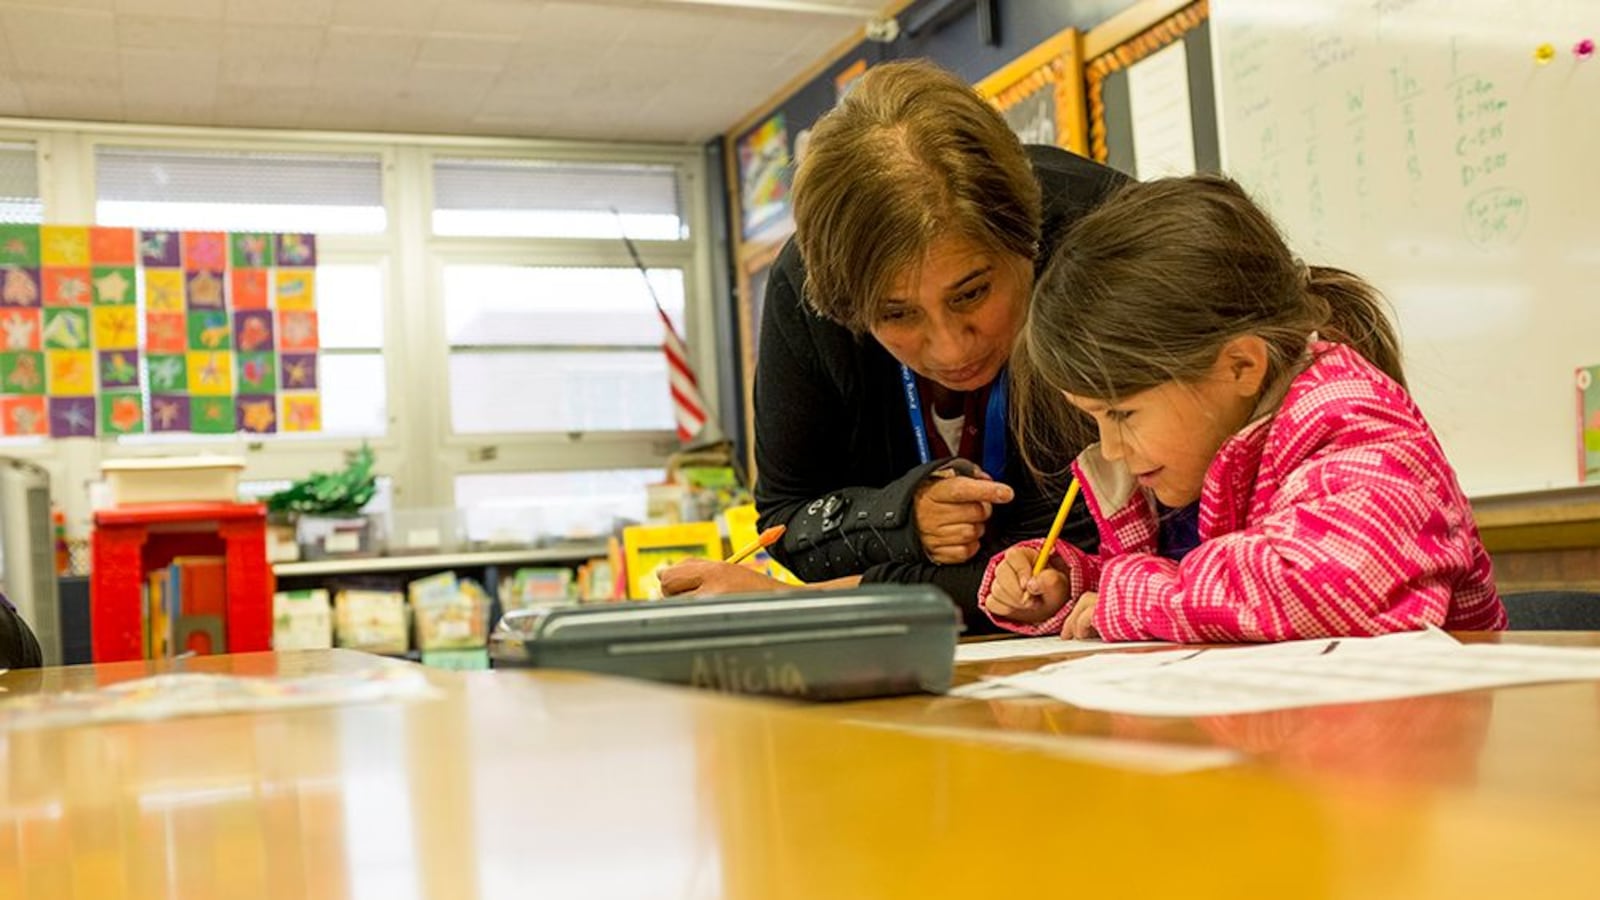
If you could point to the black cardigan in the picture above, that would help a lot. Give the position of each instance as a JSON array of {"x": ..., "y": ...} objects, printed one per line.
[{"x": 835, "y": 456}]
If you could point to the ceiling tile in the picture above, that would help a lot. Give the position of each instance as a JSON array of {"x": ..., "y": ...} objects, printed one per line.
[
  {"x": 28, "y": 25},
  {"x": 403, "y": 15},
  {"x": 284, "y": 41},
  {"x": 164, "y": 112},
  {"x": 72, "y": 98},
  {"x": 575, "y": 24},
  {"x": 497, "y": 18},
  {"x": 180, "y": 76},
  {"x": 168, "y": 33},
  {"x": 12, "y": 101},
  {"x": 343, "y": 117},
  {"x": 617, "y": 69},
  {"x": 256, "y": 70},
  {"x": 279, "y": 12},
  {"x": 467, "y": 50},
  {"x": 462, "y": 88},
  {"x": 344, "y": 43},
  {"x": 235, "y": 100},
  {"x": 63, "y": 60},
  {"x": 335, "y": 78},
  {"x": 107, "y": 5},
  {"x": 181, "y": 9},
  {"x": 680, "y": 27}
]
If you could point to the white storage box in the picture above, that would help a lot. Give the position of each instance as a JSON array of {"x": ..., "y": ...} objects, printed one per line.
[{"x": 173, "y": 479}]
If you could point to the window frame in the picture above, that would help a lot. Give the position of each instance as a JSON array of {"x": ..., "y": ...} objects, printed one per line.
[{"x": 419, "y": 451}]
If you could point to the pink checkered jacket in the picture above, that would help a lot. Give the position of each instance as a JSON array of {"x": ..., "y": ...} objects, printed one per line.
[{"x": 1336, "y": 515}]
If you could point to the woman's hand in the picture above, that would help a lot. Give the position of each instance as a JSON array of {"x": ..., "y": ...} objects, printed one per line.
[
  {"x": 704, "y": 577},
  {"x": 1019, "y": 595},
  {"x": 952, "y": 511}
]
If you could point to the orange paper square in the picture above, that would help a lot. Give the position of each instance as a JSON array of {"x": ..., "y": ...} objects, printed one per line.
[{"x": 111, "y": 246}]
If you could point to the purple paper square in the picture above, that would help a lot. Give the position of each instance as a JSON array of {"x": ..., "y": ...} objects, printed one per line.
[
  {"x": 296, "y": 250},
  {"x": 119, "y": 369},
  {"x": 160, "y": 249},
  {"x": 169, "y": 412},
  {"x": 258, "y": 413},
  {"x": 19, "y": 286},
  {"x": 252, "y": 331},
  {"x": 72, "y": 417},
  {"x": 298, "y": 371}
]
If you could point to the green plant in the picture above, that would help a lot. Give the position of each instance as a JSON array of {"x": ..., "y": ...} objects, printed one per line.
[{"x": 330, "y": 493}]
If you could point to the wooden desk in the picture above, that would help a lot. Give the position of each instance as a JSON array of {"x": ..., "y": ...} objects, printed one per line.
[
  {"x": 1540, "y": 742},
  {"x": 566, "y": 786}
]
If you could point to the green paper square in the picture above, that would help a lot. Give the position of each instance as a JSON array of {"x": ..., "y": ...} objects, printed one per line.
[
  {"x": 114, "y": 418},
  {"x": 66, "y": 329},
  {"x": 256, "y": 373},
  {"x": 212, "y": 415},
  {"x": 22, "y": 372},
  {"x": 251, "y": 249},
  {"x": 209, "y": 329},
  {"x": 19, "y": 245},
  {"x": 168, "y": 373},
  {"x": 113, "y": 286}
]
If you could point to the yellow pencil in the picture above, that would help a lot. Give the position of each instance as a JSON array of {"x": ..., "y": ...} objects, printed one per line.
[
  {"x": 1055, "y": 528},
  {"x": 764, "y": 540}
]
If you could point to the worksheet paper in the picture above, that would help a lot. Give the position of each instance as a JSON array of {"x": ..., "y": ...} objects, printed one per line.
[
  {"x": 1051, "y": 645},
  {"x": 1230, "y": 680}
]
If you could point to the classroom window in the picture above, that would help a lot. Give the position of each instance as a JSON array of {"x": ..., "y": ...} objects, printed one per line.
[
  {"x": 19, "y": 183},
  {"x": 580, "y": 346},
  {"x": 485, "y": 197},
  {"x": 355, "y": 389},
  {"x": 505, "y": 507},
  {"x": 240, "y": 190},
  {"x": 351, "y": 375}
]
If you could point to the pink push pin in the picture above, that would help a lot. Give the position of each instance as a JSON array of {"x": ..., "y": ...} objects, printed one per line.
[{"x": 1583, "y": 49}]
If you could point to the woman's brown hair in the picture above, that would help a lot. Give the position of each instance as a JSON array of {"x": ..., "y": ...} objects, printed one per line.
[
  {"x": 910, "y": 155},
  {"x": 1147, "y": 289}
]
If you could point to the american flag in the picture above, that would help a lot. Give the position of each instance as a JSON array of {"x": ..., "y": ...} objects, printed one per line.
[{"x": 688, "y": 407}]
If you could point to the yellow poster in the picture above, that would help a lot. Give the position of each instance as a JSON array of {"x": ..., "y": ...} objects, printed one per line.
[
  {"x": 63, "y": 245},
  {"x": 70, "y": 373},
  {"x": 163, "y": 290},
  {"x": 297, "y": 288},
  {"x": 116, "y": 327},
  {"x": 210, "y": 374}
]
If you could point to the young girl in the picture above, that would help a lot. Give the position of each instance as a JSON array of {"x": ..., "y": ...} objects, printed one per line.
[{"x": 1262, "y": 474}]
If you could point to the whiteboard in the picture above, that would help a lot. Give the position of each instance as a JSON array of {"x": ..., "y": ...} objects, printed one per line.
[{"x": 1419, "y": 144}]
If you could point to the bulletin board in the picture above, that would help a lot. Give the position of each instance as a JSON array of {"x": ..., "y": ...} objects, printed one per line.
[
  {"x": 1110, "y": 89},
  {"x": 1040, "y": 93},
  {"x": 754, "y": 270}
]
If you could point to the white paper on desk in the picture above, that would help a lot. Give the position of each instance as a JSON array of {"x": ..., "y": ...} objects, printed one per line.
[
  {"x": 1285, "y": 676},
  {"x": 1051, "y": 645}
]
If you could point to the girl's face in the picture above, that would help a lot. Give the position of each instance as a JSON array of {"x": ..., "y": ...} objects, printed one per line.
[
  {"x": 952, "y": 320},
  {"x": 1168, "y": 435}
]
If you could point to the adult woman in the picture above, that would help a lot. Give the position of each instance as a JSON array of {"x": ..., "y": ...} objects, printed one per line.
[{"x": 882, "y": 416}]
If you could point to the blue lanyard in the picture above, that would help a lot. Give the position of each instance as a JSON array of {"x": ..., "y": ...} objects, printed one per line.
[{"x": 994, "y": 423}]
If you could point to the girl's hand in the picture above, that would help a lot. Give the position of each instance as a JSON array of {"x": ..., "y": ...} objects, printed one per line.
[
  {"x": 1080, "y": 622},
  {"x": 1017, "y": 594},
  {"x": 704, "y": 577},
  {"x": 952, "y": 509}
]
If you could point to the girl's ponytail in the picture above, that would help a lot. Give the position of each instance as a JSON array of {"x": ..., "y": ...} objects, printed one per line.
[{"x": 1354, "y": 313}]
